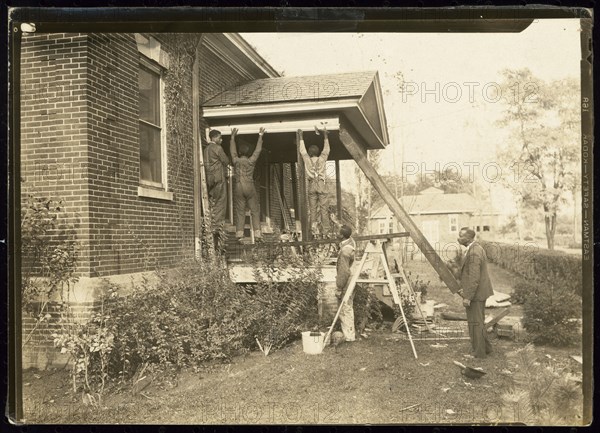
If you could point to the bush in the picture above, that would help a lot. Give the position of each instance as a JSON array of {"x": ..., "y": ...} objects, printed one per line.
[
  {"x": 550, "y": 313},
  {"x": 523, "y": 289},
  {"x": 199, "y": 314},
  {"x": 531, "y": 262},
  {"x": 366, "y": 308}
]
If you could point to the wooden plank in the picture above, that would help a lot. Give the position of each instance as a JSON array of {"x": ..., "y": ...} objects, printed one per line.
[
  {"x": 373, "y": 281},
  {"x": 274, "y": 127},
  {"x": 338, "y": 190},
  {"x": 324, "y": 241},
  {"x": 496, "y": 318},
  {"x": 351, "y": 141},
  {"x": 303, "y": 195}
]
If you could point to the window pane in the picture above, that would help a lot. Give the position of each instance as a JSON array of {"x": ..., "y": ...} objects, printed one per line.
[
  {"x": 150, "y": 153},
  {"x": 149, "y": 83}
]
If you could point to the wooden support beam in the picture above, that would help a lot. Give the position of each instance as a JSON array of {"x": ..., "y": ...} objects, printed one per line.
[
  {"x": 352, "y": 143},
  {"x": 338, "y": 190},
  {"x": 322, "y": 241},
  {"x": 303, "y": 195}
]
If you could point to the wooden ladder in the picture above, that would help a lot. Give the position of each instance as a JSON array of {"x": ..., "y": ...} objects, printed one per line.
[{"x": 378, "y": 250}]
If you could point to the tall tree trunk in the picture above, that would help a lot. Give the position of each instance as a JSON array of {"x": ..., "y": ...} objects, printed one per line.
[
  {"x": 550, "y": 228},
  {"x": 519, "y": 222}
]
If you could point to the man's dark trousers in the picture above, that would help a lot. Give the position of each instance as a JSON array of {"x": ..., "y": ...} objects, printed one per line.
[{"x": 477, "y": 332}]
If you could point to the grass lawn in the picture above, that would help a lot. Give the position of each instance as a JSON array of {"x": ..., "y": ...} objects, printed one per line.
[{"x": 373, "y": 380}]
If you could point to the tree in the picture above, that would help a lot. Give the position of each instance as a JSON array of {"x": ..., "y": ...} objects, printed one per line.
[{"x": 543, "y": 152}]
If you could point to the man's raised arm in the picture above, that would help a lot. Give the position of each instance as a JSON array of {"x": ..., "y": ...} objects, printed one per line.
[
  {"x": 259, "y": 144},
  {"x": 232, "y": 145},
  {"x": 326, "y": 148}
]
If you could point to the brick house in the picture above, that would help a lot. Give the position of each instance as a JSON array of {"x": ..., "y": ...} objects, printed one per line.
[
  {"x": 112, "y": 125},
  {"x": 439, "y": 216},
  {"x": 109, "y": 124}
]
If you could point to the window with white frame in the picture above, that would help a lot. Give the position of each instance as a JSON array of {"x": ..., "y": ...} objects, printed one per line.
[
  {"x": 391, "y": 226},
  {"x": 152, "y": 141},
  {"x": 382, "y": 227},
  {"x": 453, "y": 220}
]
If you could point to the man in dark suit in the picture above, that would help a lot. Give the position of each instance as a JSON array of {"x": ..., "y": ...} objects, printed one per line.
[{"x": 475, "y": 288}]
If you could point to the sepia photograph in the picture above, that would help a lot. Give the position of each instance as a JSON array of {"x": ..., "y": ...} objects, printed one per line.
[{"x": 292, "y": 226}]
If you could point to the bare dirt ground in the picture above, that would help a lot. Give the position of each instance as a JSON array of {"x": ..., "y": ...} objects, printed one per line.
[{"x": 374, "y": 380}]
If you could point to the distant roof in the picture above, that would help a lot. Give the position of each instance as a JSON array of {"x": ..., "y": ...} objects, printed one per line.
[
  {"x": 430, "y": 202},
  {"x": 304, "y": 88}
]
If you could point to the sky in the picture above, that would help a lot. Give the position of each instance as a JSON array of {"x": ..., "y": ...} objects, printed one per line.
[{"x": 449, "y": 111}]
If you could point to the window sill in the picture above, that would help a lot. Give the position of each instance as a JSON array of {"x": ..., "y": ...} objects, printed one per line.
[{"x": 154, "y": 193}]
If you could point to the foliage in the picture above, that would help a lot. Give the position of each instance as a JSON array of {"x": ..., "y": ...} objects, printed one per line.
[
  {"x": 49, "y": 253},
  {"x": 284, "y": 309},
  {"x": 89, "y": 343},
  {"x": 522, "y": 289},
  {"x": 542, "y": 393},
  {"x": 418, "y": 285},
  {"x": 366, "y": 307},
  {"x": 543, "y": 152},
  {"x": 532, "y": 263},
  {"x": 550, "y": 315},
  {"x": 194, "y": 315}
]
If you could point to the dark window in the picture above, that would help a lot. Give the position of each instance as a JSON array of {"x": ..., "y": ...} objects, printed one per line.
[{"x": 151, "y": 150}]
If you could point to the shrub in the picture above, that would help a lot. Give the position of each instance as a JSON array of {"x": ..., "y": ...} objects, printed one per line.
[
  {"x": 282, "y": 310},
  {"x": 550, "y": 313},
  {"x": 531, "y": 262},
  {"x": 524, "y": 288},
  {"x": 197, "y": 314},
  {"x": 49, "y": 254},
  {"x": 89, "y": 342},
  {"x": 366, "y": 308},
  {"x": 542, "y": 391},
  {"x": 193, "y": 316}
]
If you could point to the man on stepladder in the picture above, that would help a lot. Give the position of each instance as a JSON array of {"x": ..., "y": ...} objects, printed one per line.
[
  {"x": 315, "y": 164},
  {"x": 344, "y": 264},
  {"x": 244, "y": 193}
]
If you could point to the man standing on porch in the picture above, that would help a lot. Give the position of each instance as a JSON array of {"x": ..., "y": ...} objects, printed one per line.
[
  {"x": 216, "y": 163},
  {"x": 316, "y": 174},
  {"x": 244, "y": 193}
]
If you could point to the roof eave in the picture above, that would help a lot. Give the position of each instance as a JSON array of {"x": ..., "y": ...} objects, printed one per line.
[{"x": 347, "y": 106}]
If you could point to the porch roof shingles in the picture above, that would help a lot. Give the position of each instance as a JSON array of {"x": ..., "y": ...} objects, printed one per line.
[{"x": 351, "y": 85}]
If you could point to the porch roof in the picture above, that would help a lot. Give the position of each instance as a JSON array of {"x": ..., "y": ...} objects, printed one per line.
[{"x": 285, "y": 104}]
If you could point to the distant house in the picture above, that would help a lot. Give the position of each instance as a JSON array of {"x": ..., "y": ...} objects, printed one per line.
[{"x": 439, "y": 216}]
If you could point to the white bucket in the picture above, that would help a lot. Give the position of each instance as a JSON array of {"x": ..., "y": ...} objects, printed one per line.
[{"x": 312, "y": 344}]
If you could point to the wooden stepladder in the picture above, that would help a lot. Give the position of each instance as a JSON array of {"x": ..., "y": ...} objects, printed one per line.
[{"x": 377, "y": 249}]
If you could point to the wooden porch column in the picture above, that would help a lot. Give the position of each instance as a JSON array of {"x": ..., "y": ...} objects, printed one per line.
[
  {"x": 303, "y": 195},
  {"x": 338, "y": 190},
  {"x": 352, "y": 143}
]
